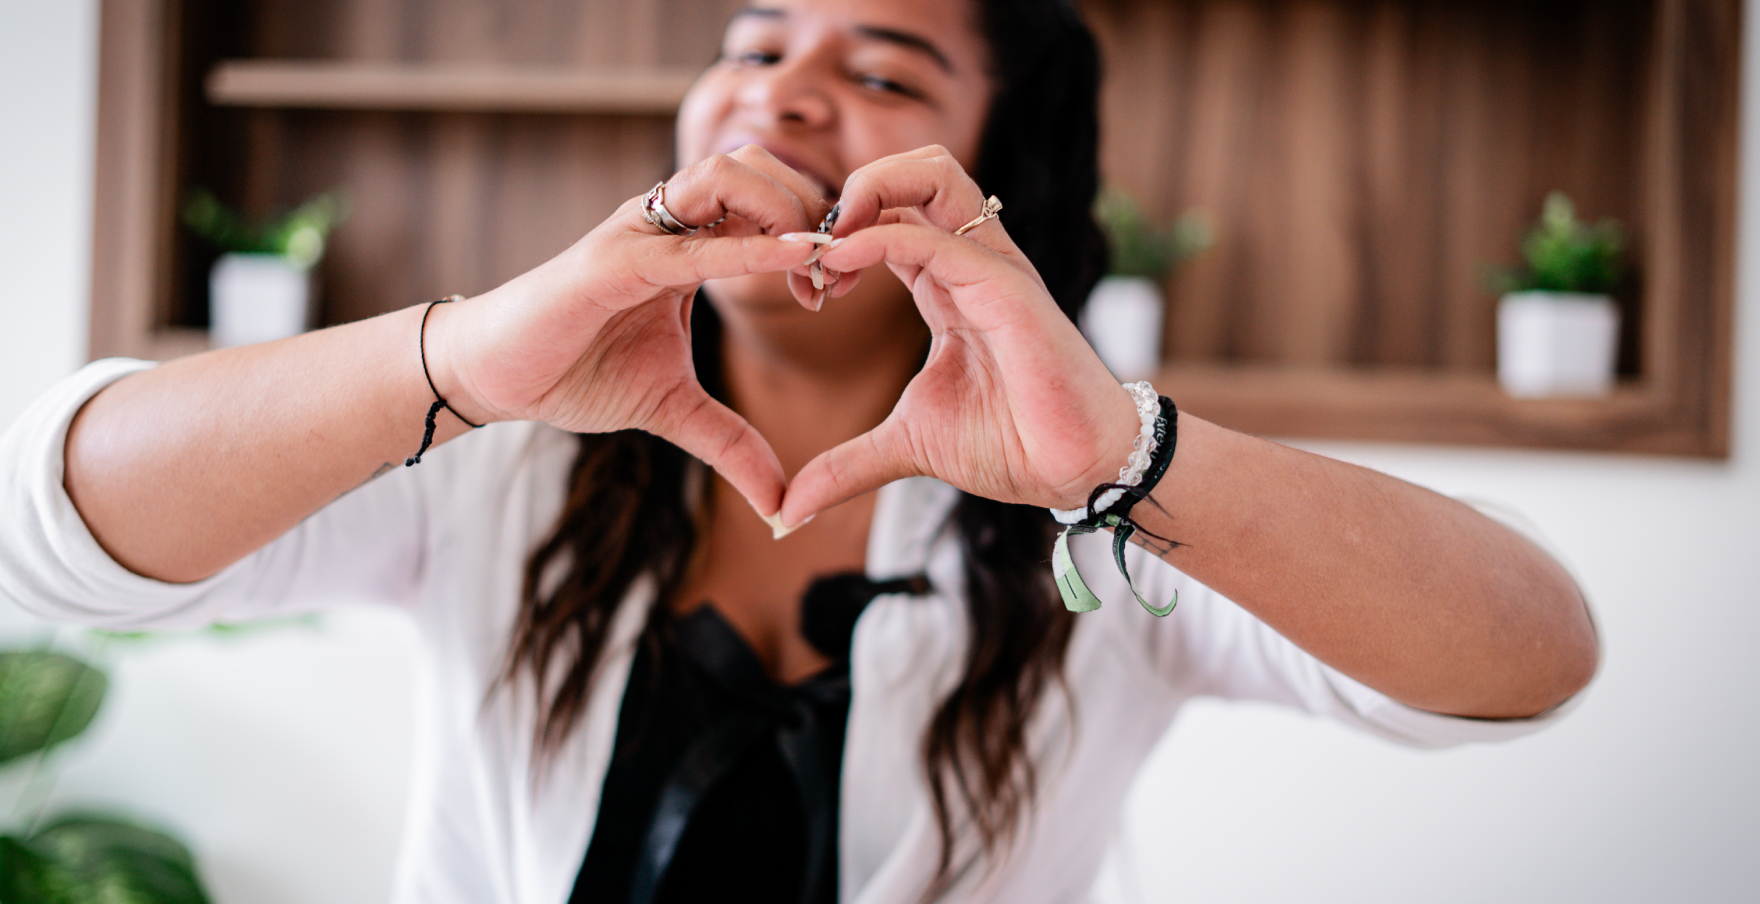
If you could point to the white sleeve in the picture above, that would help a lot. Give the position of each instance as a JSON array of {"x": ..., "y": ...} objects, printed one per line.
[
  {"x": 1210, "y": 646},
  {"x": 364, "y": 548}
]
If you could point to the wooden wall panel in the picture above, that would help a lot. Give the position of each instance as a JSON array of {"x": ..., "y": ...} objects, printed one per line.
[
  {"x": 588, "y": 34},
  {"x": 1362, "y": 160},
  {"x": 448, "y": 203},
  {"x": 442, "y": 202},
  {"x": 1366, "y": 161}
]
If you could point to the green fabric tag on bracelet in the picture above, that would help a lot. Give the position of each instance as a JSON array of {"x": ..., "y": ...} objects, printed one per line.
[{"x": 1076, "y": 595}]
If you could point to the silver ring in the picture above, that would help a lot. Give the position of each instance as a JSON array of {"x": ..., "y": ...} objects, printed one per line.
[
  {"x": 655, "y": 212},
  {"x": 992, "y": 206}
]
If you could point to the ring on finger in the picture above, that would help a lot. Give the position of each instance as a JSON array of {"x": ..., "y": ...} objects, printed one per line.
[
  {"x": 655, "y": 212},
  {"x": 992, "y": 207}
]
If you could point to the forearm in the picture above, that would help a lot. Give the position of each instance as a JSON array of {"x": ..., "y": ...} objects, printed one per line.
[
  {"x": 184, "y": 469},
  {"x": 1409, "y": 592}
]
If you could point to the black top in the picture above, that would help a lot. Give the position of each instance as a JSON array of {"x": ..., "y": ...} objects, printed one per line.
[{"x": 723, "y": 784}]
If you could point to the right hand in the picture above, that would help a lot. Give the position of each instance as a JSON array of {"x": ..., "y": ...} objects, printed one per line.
[{"x": 598, "y": 339}]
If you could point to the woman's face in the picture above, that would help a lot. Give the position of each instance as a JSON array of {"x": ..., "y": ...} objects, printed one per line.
[{"x": 828, "y": 86}]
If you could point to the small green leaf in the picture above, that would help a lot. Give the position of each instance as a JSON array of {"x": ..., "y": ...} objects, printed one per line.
[
  {"x": 27, "y": 877},
  {"x": 299, "y": 234},
  {"x": 1138, "y": 247},
  {"x": 1566, "y": 255},
  {"x": 45, "y": 698},
  {"x": 102, "y": 859}
]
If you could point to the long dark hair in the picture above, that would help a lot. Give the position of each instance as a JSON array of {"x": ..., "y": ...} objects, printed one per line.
[{"x": 628, "y": 516}]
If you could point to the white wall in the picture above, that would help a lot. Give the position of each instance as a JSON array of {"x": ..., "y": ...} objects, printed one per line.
[{"x": 282, "y": 755}]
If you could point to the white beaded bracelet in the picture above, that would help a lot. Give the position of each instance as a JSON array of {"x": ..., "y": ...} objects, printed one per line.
[{"x": 1142, "y": 453}]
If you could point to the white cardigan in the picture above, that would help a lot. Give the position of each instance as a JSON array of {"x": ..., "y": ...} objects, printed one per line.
[{"x": 447, "y": 541}]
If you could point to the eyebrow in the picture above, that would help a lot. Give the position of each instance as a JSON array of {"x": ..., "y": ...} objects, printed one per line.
[
  {"x": 908, "y": 40},
  {"x": 892, "y": 36}
]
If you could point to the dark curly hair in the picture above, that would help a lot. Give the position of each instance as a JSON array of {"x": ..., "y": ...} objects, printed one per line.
[{"x": 627, "y": 514}]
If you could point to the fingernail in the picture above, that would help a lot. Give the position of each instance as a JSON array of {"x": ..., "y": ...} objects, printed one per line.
[
  {"x": 818, "y": 252},
  {"x": 807, "y": 238},
  {"x": 834, "y": 244},
  {"x": 818, "y": 275},
  {"x": 818, "y": 299},
  {"x": 778, "y": 531}
]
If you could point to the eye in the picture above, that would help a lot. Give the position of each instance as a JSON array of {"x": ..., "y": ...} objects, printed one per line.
[
  {"x": 751, "y": 57},
  {"x": 884, "y": 85}
]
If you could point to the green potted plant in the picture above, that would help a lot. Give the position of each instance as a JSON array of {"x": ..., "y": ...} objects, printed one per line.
[
  {"x": 261, "y": 287},
  {"x": 1123, "y": 317},
  {"x": 46, "y": 699},
  {"x": 1557, "y": 324}
]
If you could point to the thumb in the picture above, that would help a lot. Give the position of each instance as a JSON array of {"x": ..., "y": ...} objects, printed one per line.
[
  {"x": 860, "y": 465},
  {"x": 721, "y": 439}
]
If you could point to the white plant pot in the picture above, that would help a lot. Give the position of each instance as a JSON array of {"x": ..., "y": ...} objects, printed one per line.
[
  {"x": 1556, "y": 343},
  {"x": 257, "y": 298},
  {"x": 1123, "y": 323}
]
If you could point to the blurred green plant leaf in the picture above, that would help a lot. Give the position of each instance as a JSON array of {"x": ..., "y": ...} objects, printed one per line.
[
  {"x": 1563, "y": 254},
  {"x": 26, "y": 876},
  {"x": 221, "y": 630},
  {"x": 93, "y": 859},
  {"x": 298, "y": 235},
  {"x": 1139, "y": 247},
  {"x": 45, "y": 698}
]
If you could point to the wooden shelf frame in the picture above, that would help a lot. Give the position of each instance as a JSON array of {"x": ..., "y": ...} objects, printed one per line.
[
  {"x": 1427, "y": 407},
  {"x": 1264, "y": 334},
  {"x": 431, "y": 87},
  {"x": 1677, "y": 403}
]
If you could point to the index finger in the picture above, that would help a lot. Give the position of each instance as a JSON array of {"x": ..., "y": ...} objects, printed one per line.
[
  {"x": 928, "y": 180},
  {"x": 750, "y": 184}
]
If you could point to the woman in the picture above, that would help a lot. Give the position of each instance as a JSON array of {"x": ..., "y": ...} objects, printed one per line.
[{"x": 631, "y": 701}]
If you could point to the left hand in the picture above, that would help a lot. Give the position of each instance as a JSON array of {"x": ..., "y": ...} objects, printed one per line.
[{"x": 1012, "y": 403}]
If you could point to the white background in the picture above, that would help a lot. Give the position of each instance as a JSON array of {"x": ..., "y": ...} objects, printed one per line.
[{"x": 282, "y": 755}]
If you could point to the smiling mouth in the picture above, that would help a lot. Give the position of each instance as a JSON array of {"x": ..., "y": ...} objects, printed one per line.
[
  {"x": 831, "y": 193},
  {"x": 826, "y": 190}
]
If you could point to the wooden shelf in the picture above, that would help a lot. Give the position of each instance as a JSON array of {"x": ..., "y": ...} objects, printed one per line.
[
  {"x": 1419, "y": 406},
  {"x": 433, "y": 87},
  {"x": 1361, "y": 163}
]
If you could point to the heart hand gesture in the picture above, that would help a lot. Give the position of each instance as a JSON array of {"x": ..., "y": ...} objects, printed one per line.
[
  {"x": 598, "y": 339},
  {"x": 1012, "y": 404}
]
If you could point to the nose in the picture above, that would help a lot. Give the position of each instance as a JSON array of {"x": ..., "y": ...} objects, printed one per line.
[{"x": 789, "y": 92}]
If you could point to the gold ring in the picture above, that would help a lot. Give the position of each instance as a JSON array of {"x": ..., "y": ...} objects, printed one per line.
[{"x": 992, "y": 206}]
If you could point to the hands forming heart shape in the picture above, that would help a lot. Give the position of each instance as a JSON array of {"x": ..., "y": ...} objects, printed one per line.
[{"x": 1012, "y": 404}]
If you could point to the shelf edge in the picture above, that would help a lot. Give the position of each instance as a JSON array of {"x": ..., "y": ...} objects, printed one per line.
[{"x": 441, "y": 87}]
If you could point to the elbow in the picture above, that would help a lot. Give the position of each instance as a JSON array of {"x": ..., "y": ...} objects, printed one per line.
[
  {"x": 1569, "y": 674},
  {"x": 1543, "y": 653},
  {"x": 1562, "y": 658},
  {"x": 1579, "y": 657}
]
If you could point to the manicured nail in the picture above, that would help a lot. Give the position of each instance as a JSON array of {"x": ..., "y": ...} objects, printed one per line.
[
  {"x": 806, "y": 238},
  {"x": 818, "y": 275},
  {"x": 818, "y": 252},
  {"x": 818, "y": 299},
  {"x": 777, "y": 530}
]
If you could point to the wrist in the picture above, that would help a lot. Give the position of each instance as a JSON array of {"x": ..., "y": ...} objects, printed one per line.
[
  {"x": 447, "y": 365},
  {"x": 1118, "y": 427}
]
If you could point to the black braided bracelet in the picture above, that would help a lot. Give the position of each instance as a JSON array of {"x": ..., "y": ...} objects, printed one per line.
[
  {"x": 1076, "y": 595},
  {"x": 429, "y": 423},
  {"x": 1167, "y": 436}
]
